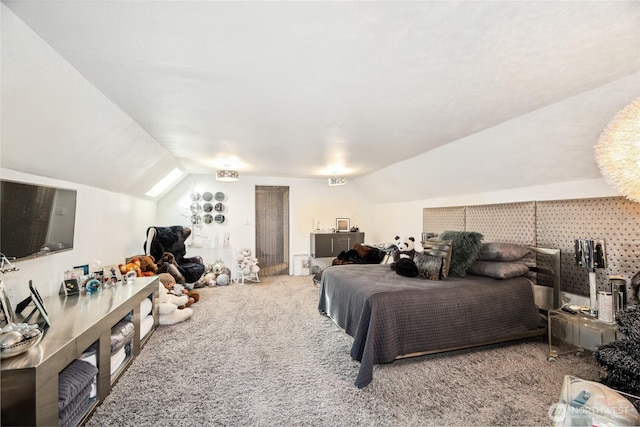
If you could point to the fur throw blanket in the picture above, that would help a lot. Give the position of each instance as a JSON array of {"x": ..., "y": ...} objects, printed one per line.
[
  {"x": 620, "y": 359},
  {"x": 360, "y": 254}
]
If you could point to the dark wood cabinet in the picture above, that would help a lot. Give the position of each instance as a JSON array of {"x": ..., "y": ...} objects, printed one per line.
[{"x": 331, "y": 244}]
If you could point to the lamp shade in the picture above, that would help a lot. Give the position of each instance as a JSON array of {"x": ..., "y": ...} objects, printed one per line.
[
  {"x": 617, "y": 152},
  {"x": 227, "y": 175}
]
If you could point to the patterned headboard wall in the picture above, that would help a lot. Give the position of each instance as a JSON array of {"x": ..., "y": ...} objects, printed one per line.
[
  {"x": 505, "y": 222},
  {"x": 556, "y": 224},
  {"x": 441, "y": 219}
]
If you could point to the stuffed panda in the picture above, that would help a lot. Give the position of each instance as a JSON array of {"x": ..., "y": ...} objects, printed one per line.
[{"x": 403, "y": 257}]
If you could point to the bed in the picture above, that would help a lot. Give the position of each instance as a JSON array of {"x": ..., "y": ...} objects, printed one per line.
[{"x": 390, "y": 316}]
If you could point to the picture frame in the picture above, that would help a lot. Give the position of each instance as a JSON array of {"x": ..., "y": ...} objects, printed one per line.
[
  {"x": 5, "y": 306},
  {"x": 71, "y": 287},
  {"x": 343, "y": 225},
  {"x": 111, "y": 274},
  {"x": 84, "y": 268},
  {"x": 39, "y": 303},
  {"x": 75, "y": 273}
]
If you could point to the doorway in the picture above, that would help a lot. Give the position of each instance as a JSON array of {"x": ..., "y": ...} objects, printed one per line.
[{"x": 272, "y": 229}]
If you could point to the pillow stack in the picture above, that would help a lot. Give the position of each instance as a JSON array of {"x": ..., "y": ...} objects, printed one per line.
[{"x": 500, "y": 261}]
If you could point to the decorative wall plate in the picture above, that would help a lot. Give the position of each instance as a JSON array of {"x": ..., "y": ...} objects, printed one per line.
[
  {"x": 219, "y": 218},
  {"x": 219, "y": 196},
  {"x": 207, "y": 207},
  {"x": 207, "y": 197},
  {"x": 195, "y": 196},
  {"x": 195, "y": 219},
  {"x": 195, "y": 207},
  {"x": 219, "y": 207},
  {"x": 208, "y": 218}
]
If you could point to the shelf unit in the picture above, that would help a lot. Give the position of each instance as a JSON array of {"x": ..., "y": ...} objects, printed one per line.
[
  {"x": 30, "y": 381},
  {"x": 331, "y": 244}
]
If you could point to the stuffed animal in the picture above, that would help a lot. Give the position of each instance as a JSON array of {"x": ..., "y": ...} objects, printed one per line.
[
  {"x": 403, "y": 257},
  {"x": 219, "y": 268},
  {"x": 223, "y": 279},
  {"x": 168, "y": 264},
  {"x": 161, "y": 240},
  {"x": 247, "y": 265},
  {"x": 148, "y": 265},
  {"x": 207, "y": 279},
  {"x": 177, "y": 289},
  {"x": 130, "y": 266},
  {"x": 168, "y": 304}
]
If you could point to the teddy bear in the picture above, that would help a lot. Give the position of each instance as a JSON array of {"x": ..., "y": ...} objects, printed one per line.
[
  {"x": 177, "y": 289},
  {"x": 148, "y": 265},
  {"x": 143, "y": 265},
  {"x": 208, "y": 278},
  {"x": 247, "y": 266},
  {"x": 167, "y": 264},
  {"x": 168, "y": 312},
  {"x": 130, "y": 266},
  {"x": 403, "y": 257}
]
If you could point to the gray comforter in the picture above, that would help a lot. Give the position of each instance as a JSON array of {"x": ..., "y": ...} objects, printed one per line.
[{"x": 390, "y": 315}]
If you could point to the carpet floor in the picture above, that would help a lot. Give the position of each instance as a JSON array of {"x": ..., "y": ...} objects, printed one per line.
[{"x": 260, "y": 354}]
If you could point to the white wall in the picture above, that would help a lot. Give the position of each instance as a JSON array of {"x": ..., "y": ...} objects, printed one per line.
[
  {"x": 311, "y": 202},
  {"x": 109, "y": 227}
]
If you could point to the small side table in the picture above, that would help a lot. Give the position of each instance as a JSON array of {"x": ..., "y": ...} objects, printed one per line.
[{"x": 575, "y": 333}]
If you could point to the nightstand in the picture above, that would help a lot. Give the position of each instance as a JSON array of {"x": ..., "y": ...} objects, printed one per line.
[{"x": 575, "y": 333}]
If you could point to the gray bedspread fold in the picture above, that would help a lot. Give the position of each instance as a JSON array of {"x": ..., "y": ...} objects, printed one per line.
[{"x": 390, "y": 315}]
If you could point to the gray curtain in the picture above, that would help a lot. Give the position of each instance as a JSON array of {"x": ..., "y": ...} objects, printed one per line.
[{"x": 272, "y": 229}]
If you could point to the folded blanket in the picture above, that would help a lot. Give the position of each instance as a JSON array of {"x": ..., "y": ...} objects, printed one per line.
[
  {"x": 121, "y": 334},
  {"x": 73, "y": 412},
  {"x": 145, "y": 325},
  {"x": 145, "y": 307},
  {"x": 74, "y": 379},
  {"x": 91, "y": 357},
  {"x": 117, "y": 359}
]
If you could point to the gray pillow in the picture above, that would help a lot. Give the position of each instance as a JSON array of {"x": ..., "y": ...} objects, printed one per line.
[
  {"x": 499, "y": 251},
  {"x": 442, "y": 249},
  {"x": 498, "y": 269},
  {"x": 466, "y": 246},
  {"x": 429, "y": 266}
]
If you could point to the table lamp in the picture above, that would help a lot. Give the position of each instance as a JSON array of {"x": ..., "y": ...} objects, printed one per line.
[{"x": 591, "y": 254}]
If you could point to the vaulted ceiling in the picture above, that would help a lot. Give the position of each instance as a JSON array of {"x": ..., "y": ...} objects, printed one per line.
[{"x": 311, "y": 89}]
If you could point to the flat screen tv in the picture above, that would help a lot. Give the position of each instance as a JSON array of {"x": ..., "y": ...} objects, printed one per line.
[{"x": 35, "y": 220}]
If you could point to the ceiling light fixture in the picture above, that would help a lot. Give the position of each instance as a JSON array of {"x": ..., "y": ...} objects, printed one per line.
[
  {"x": 618, "y": 151},
  {"x": 334, "y": 181},
  {"x": 227, "y": 175}
]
